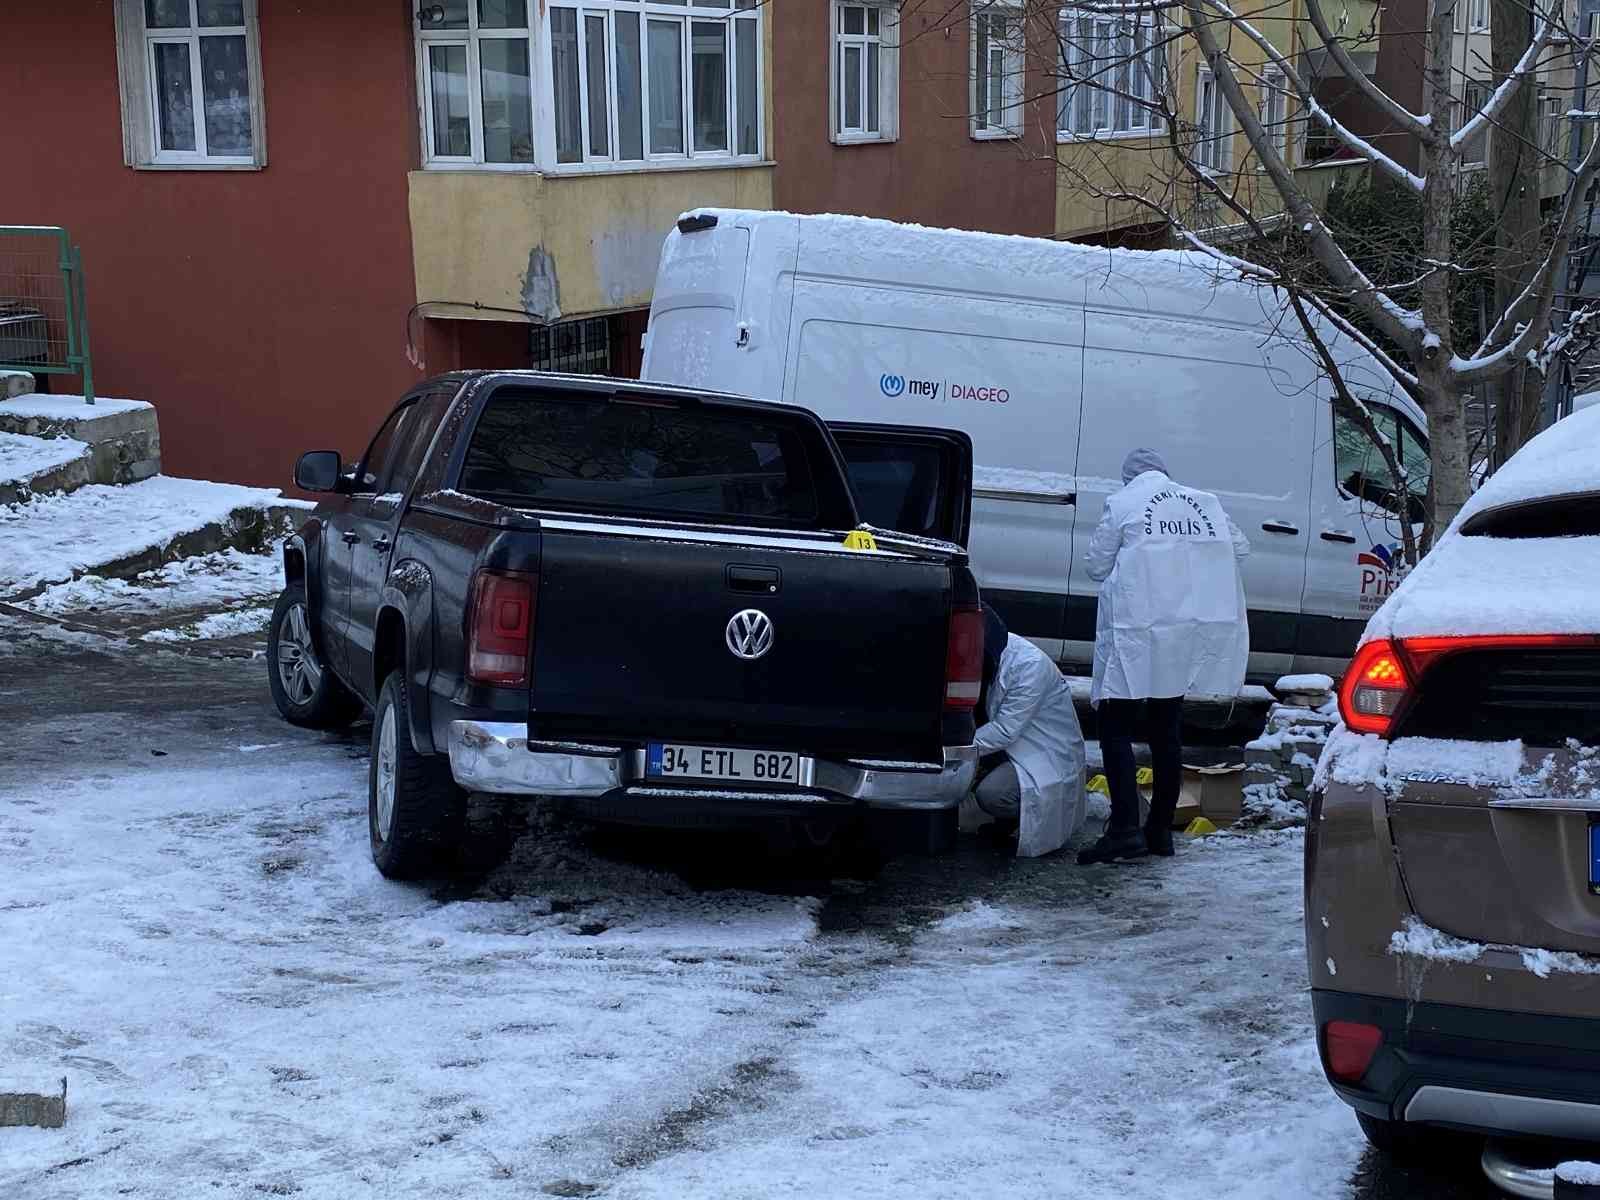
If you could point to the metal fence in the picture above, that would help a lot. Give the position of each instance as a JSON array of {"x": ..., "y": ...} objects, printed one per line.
[{"x": 43, "y": 328}]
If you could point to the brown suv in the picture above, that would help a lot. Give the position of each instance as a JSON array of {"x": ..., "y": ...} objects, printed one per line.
[{"x": 1453, "y": 851}]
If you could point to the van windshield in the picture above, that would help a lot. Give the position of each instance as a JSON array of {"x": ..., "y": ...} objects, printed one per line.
[{"x": 605, "y": 455}]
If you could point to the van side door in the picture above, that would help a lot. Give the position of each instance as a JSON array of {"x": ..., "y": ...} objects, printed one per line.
[
  {"x": 1354, "y": 559},
  {"x": 1230, "y": 415}
]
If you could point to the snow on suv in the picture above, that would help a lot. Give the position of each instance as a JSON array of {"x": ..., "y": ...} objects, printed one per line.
[{"x": 1453, "y": 853}]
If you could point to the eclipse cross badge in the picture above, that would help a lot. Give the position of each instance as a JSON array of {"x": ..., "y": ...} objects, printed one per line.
[{"x": 749, "y": 634}]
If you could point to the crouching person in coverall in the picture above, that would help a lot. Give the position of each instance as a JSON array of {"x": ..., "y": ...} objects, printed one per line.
[
  {"x": 1031, "y": 769},
  {"x": 1171, "y": 624}
]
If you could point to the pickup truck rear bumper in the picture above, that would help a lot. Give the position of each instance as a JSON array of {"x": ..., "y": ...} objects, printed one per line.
[{"x": 496, "y": 757}]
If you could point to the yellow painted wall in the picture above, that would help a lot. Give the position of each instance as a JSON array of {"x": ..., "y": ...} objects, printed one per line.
[
  {"x": 1144, "y": 165},
  {"x": 555, "y": 246}
]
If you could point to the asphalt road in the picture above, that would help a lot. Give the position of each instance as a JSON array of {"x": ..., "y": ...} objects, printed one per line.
[{"x": 102, "y": 711}]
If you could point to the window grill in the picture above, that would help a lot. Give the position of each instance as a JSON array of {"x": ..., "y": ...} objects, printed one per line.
[{"x": 575, "y": 347}]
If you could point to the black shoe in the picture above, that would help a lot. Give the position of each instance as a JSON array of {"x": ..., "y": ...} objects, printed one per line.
[
  {"x": 1158, "y": 839},
  {"x": 1115, "y": 847}
]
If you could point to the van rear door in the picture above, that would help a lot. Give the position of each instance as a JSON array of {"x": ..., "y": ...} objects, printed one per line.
[{"x": 909, "y": 479}]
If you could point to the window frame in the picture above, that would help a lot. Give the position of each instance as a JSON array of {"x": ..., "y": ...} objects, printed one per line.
[
  {"x": 542, "y": 86},
  {"x": 1273, "y": 109},
  {"x": 887, "y": 39},
  {"x": 1483, "y": 90},
  {"x": 1152, "y": 64},
  {"x": 136, "y": 78},
  {"x": 1478, "y": 16},
  {"x": 1211, "y": 144},
  {"x": 1406, "y": 435},
  {"x": 1014, "y": 63}
]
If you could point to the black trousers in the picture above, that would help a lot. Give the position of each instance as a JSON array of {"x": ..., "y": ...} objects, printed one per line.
[{"x": 1118, "y": 720}]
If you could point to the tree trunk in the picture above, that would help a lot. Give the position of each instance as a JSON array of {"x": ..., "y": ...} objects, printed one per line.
[
  {"x": 1515, "y": 167},
  {"x": 1443, "y": 402}
]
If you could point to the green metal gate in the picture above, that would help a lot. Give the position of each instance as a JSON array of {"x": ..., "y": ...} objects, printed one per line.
[{"x": 43, "y": 328}]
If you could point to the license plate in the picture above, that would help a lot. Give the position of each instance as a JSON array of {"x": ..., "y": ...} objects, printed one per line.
[
  {"x": 665, "y": 760},
  {"x": 1594, "y": 857}
]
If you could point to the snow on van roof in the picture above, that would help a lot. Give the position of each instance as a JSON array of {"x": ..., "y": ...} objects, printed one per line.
[
  {"x": 958, "y": 248},
  {"x": 1182, "y": 283},
  {"x": 1469, "y": 585}
]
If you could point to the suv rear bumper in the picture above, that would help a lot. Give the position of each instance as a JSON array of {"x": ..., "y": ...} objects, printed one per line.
[
  {"x": 496, "y": 757},
  {"x": 1484, "y": 1070}
]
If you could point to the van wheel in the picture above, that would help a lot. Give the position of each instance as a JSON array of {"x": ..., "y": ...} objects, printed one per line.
[
  {"x": 303, "y": 688},
  {"x": 415, "y": 811},
  {"x": 1405, "y": 1142}
]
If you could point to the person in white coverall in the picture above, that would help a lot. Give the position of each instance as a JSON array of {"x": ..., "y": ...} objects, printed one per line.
[
  {"x": 1031, "y": 747},
  {"x": 1171, "y": 624}
]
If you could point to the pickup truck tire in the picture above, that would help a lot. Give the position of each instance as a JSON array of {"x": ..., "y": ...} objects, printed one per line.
[
  {"x": 303, "y": 688},
  {"x": 415, "y": 811}
]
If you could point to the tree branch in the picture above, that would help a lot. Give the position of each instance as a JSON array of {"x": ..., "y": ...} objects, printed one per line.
[{"x": 1410, "y": 122}]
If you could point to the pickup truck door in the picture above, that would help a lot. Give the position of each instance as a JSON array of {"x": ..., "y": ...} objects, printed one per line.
[
  {"x": 357, "y": 490},
  {"x": 909, "y": 479},
  {"x": 374, "y": 522}
]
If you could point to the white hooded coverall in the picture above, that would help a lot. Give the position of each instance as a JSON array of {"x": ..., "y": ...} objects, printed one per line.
[
  {"x": 1171, "y": 619},
  {"x": 1032, "y": 720}
]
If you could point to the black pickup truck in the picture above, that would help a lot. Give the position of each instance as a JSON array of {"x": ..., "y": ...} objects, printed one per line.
[{"x": 638, "y": 599}]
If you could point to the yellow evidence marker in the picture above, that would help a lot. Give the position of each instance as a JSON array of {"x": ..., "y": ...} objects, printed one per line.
[{"x": 860, "y": 539}]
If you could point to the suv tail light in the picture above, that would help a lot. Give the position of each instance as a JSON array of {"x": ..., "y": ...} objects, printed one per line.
[
  {"x": 1374, "y": 688},
  {"x": 500, "y": 627},
  {"x": 1384, "y": 675},
  {"x": 963, "y": 659},
  {"x": 1348, "y": 1048}
]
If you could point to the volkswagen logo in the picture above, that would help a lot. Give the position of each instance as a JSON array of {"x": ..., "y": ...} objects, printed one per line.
[
  {"x": 892, "y": 385},
  {"x": 749, "y": 634}
]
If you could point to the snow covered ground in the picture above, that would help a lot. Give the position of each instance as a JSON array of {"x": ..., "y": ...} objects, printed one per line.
[
  {"x": 196, "y": 938},
  {"x": 54, "y": 538}
]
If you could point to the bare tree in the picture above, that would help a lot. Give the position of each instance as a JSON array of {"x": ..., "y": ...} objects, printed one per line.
[{"x": 1257, "y": 220}]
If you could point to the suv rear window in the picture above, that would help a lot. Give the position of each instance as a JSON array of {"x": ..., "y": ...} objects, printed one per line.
[
  {"x": 1554, "y": 516},
  {"x": 604, "y": 455}
]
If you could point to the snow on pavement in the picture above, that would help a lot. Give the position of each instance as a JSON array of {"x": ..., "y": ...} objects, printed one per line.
[
  {"x": 196, "y": 937},
  {"x": 218, "y": 580},
  {"x": 53, "y": 538}
]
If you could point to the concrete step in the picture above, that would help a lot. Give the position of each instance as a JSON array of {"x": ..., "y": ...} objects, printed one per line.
[
  {"x": 34, "y": 466},
  {"x": 122, "y": 436},
  {"x": 119, "y": 532}
]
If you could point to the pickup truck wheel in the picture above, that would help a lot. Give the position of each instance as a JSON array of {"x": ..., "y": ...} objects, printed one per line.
[
  {"x": 415, "y": 811},
  {"x": 305, "y": 691}
]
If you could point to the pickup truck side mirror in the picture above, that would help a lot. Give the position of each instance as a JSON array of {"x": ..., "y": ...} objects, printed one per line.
[{"x": 318, "y": 471}]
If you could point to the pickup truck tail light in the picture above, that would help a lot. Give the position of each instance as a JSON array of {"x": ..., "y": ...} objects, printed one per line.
[
  {"x": 963, "y": 660},
  {"x": 500, "y": 628}
]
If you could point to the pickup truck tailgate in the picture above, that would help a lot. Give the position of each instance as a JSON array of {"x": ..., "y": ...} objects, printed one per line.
[{"x": 632, "y": 643}]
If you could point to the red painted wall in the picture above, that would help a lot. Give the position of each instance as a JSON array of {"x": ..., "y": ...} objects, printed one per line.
[
  {"x": 935, "y": 174},
  {"x": 263, "y": 312}
]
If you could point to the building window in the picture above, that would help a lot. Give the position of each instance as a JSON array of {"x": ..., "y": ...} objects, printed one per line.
[
  {"x": 1474, "y": 153},
  {"x": 576, "y": 347},
  {"x": 1274, "y": 110},
  {"x": 865, "y": 72},
  {"x": 997, "y": 70},
  {"x": 1550, "y": 123},
  {"x": 191, "y": 83},
  {"x": 611, "y": 83},
  {"x": 1107, "y": 66},
  {"x": 1478, "y": 19},
  {"x": 1213, "y": 146}
]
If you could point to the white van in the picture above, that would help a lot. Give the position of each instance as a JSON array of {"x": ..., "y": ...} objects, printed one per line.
[{"x": 1057, "y": 359}]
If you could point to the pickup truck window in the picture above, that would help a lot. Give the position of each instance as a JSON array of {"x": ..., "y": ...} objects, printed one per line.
[
  {"x": 416, "y": 436},
  {"x": 604, "y": 456},
  {"x": 899, "y": 486},
  {"x": 376, "y": 459}
]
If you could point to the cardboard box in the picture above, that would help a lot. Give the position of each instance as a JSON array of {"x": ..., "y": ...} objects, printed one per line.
[{"x": 1218, "y": 791}]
